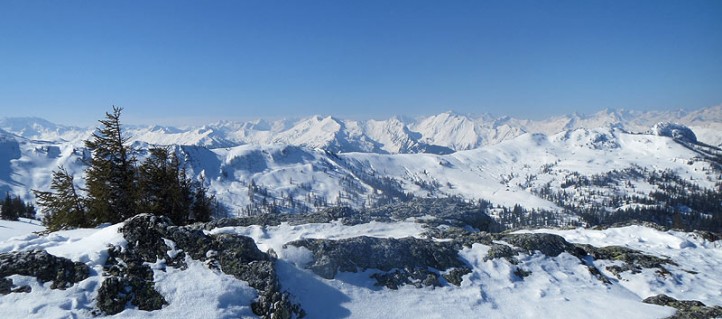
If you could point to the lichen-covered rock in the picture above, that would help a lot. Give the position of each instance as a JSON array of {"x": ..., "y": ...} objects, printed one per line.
[
  {"x": 129, "y": 281},
  {"x": 632, "y": 260},
  {"x": 405, "y": 260},
  {"x": 686, "y": 309},
  {"x": 151, "y": 238},
  {"x": 548, "y": 244},
  {"x": 61, "y": 271},
  {"x": 502, "y": 251}
]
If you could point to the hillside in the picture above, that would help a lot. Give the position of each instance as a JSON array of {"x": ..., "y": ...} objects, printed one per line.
[
  {"x": 567, "y": 175},
  {"x": 420, "y": 267}
]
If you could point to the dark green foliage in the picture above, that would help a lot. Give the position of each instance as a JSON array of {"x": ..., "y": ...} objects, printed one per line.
[
  {"x": 110, "y": 178},
  {"x": 203, "y": 204},
  {"x": 64, "y": 208},
  {"x": 164, "y": 187},
  {"x": 117, "y": 188},
  {"x": 12, "y": 208},
  {"x": 166, "y": 190}
]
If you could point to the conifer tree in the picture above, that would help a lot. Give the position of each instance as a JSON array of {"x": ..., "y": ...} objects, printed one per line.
[
  {"x": 110, "y": 179},
  {"x": 164, "y": 186},
  {"x": 63, "y": 206},
  {"x": 8, "y": 209},
  {"x": 202, "y": 208}
]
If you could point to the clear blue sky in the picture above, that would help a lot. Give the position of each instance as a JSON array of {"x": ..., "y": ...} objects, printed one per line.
[{"x": 175, "y": 62}]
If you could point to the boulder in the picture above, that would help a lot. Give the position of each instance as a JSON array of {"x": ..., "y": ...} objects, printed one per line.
[
  {"x": 151, "y": 238},
  {"x": 686, "y": 309},
  {"x": 61, "y": 271},
  {"x": 402, "y": 261}
]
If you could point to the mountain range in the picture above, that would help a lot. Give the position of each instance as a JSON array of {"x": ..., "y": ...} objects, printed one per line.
[
  {"x": 443, "y": 133},
  {"x": 608, "y": 161}
]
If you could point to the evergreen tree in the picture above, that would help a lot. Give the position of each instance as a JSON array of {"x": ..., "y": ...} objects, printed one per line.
[
  {"x": 117, "y": 189},
  {"x": 110, "y": 179},
  {"x": 164, "y": 187},
  {"x": 8, "y": 208},
  {"x": 202, "y": 208},
  {"x": 29, "y": 211},
  {"x": 63, "y": 206}
]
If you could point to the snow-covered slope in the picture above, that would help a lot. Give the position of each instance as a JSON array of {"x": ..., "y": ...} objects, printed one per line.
[
  {"x": 505, "y": 277},
  {"x": 301, "y": 166},
  {"x": 527, "y": 170}
]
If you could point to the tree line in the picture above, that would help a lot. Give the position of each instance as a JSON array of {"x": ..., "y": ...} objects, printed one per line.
[
  {"x": 118, "y": 185},
  {"x": 13, "y": 207}
]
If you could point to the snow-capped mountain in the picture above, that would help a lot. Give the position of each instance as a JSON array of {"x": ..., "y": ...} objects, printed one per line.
[
  {"x": 528, "y": 170},
  {"x": 439, "y": 134},
  {"x": 615, "y": 165},
  {"x": 400, "y": 214}
]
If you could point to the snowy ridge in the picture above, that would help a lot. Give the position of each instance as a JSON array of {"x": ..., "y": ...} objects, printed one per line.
[
  {"x": 298, "y": 179},
  {"x": 440, "y": 133},
  {"x": 522, "y": 284}
]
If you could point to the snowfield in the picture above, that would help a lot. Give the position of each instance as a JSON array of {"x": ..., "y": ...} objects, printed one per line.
[{"x": 556, "y": 287}]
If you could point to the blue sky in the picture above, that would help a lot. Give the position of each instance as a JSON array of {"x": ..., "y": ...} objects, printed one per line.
[{"x": 182, "y": 62}]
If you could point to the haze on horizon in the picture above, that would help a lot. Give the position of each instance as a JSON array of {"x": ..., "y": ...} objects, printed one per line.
[{"x": 187, "y": 62}]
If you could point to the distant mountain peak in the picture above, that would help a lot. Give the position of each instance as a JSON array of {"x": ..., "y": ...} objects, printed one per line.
[{"x": 450, "y": 129}]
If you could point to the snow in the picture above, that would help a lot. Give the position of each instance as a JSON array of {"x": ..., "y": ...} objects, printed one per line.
[
  {"x": 498, "y": 159},
  {"x": 9, "y": 229},
  {"x": 696, "y": 277},
  {"x": 274, "y": 237},
  {"x": 557, "y": 286},
  {"x": 502, "y": 160},
  {"x": 197, "y": 292}
]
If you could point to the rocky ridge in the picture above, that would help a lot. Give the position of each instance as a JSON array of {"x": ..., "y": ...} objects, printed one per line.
[{"x": 432, "y": 260}]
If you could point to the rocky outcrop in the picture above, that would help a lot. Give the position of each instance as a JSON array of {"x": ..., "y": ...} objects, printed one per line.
[
  {"x": 432, "y": 212},
  {"x": 403, "y": 261},
  {"x": 675, "y": 131},
  {"x": 686, "y": 309},
  {"x": 632, "y": 260},
  {"x": 152, "y": 238},
  {"x": 45, "y": 267},
  {"x": 547, "y": 244}
]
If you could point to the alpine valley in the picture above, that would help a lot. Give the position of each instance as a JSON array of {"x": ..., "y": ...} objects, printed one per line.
[{"x": 616, "y": 214}]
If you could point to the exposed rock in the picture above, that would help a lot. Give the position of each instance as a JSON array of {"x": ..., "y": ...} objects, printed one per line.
[
  {"x": 455, "y": 275},
  {"x": 151, "y": 238},
  {"x": 548, "y": 244},
  {"x": 686, "y": 309},
  {"x": 439, "y": 211},
  {"x": 674, "y": 130},
  {"x": 404, "y": 261},
  {"x": 502, "y": 251},
  {"x": 6, "y": 286},
  {"x": 129, "y": 280},
  {"x": 632, "y": 260},
  {"x": 61, "y": 271},
  {"x": 398, "y": 277},
  {"x": 521, "y": 272}
]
